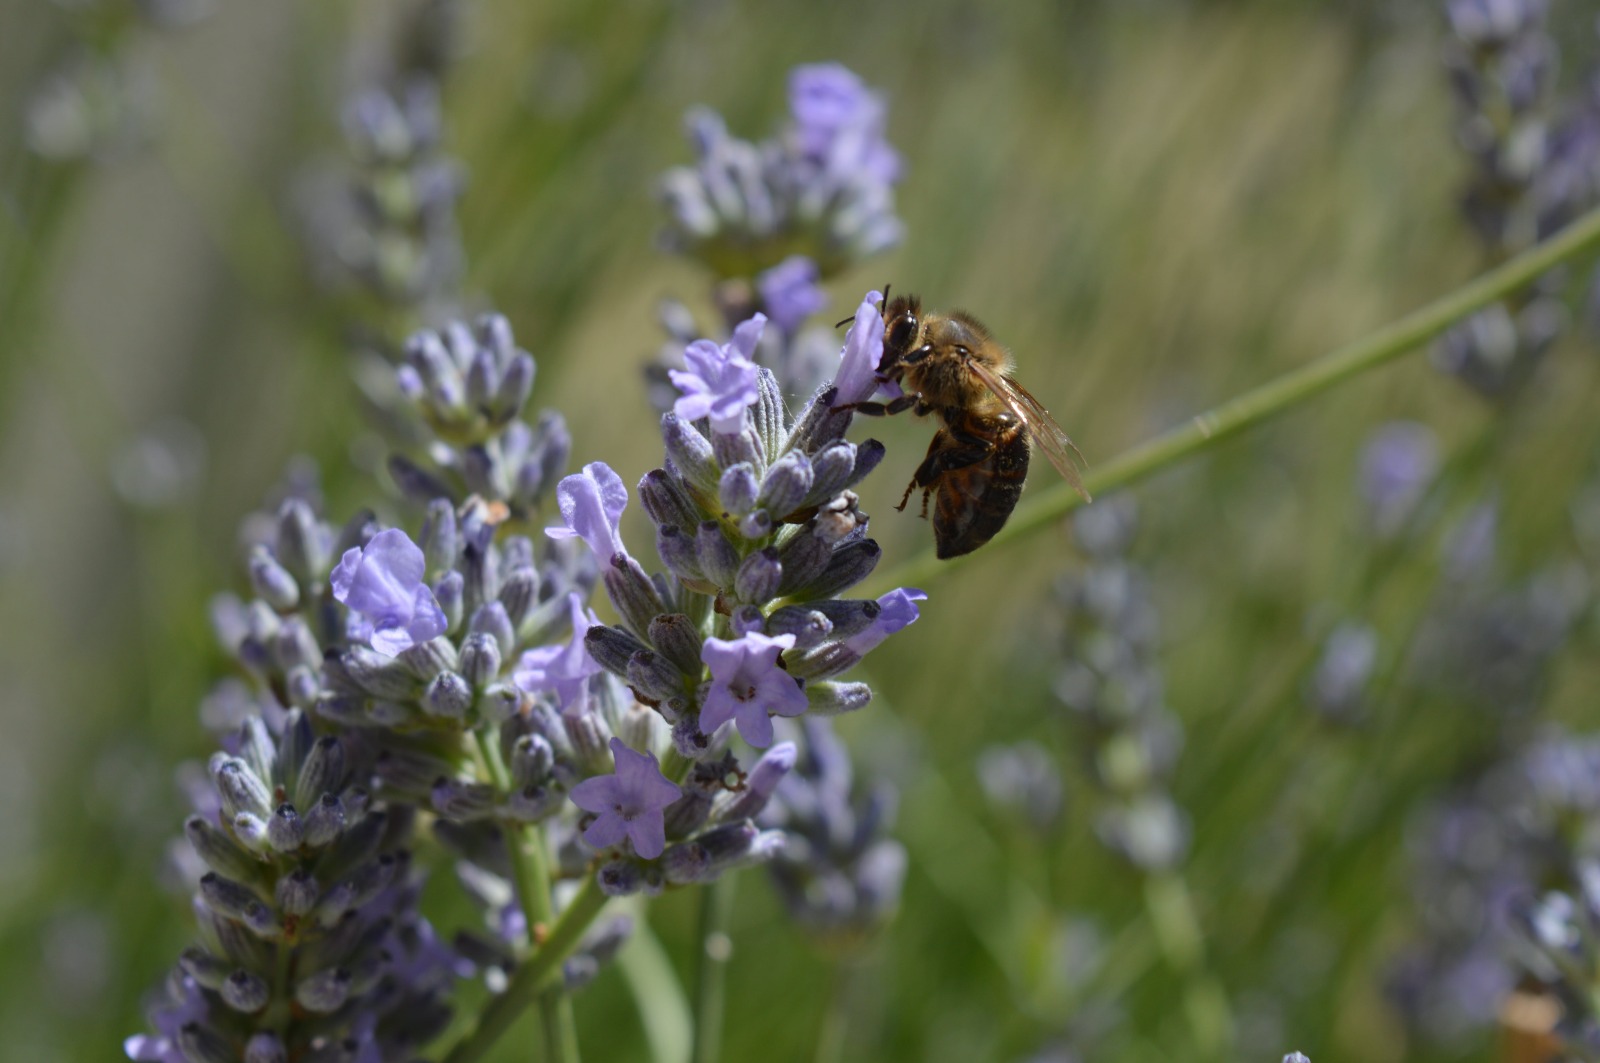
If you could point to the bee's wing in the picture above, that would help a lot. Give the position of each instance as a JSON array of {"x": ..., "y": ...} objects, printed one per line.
[{"x": 1041, "y": 427}]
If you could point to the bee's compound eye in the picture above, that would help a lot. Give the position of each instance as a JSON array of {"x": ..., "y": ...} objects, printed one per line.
[{"x": 902, "y": 330}]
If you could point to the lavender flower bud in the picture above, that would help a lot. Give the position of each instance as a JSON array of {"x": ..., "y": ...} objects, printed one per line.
[
  {"x": 515, "y": 386},
  {"x": 245, "y": 992},
  {"x": 272, "y": 582},
  {"x": 491, "y": 619},
  {"x": 302, "y": 545},
  {"x": 440, "y": 543},
  {"x": 229, "y": 898},
  {"x": 612, "y": 648},
  {"x": 849, "y": 565},
  {"x": 831, "y": 471},
  {"x": 718, "y": 558},
  {"x": 295, "y": 646},
  {"x": 548, "y": 451},
  {"x": 690, "y": 453},
  {"x": 685, "y": 863},
  {"x": 654, "y": 676},
  {"x": 378, "y": 675},
  {"x": 324, "y": 992},
  {"x": 532, "y": 758},
  {"x": 632, "y": 593},
  {"x": 251, "y": 830},
  {"x": 519, "y": 593},
  {"x": 450, "y": 593},
  {"x": 758, "y": 577},
  {"x": 296, "y": 893},
  {"x": 480, "y": 659},
  {"x": 203, "y": 967},
  {"x": 530, "y": 804},
  {"x": 787, "y": 484},
  {"x": 868, "y": 454},
  {"x": 450, "y": 696},
  {"x": 831, "y": 699},
  {"x": 201, "y": 1045},
  {"x": 804, "y": 559},
  {"x": 620, "y": 878},
  {"x": 415, "y": 482},
  {"x": 747, "y": 619},
  {"x": 589, "y": 739},
  {"x": 808, "y": 624},
  {"x": 462, "y": 801},
  {"x": 265, "y": 1048},
  {"x": 665, "y": 501},
  {"x": 738, "y": 488},
  {"x": 678, "y": 639},
  {"x": 737, "y": 447},
  {"x": 679, "y": 553},
  {"x": 424, "y": 660},
  {"x": 217, "y": 850},
  {"x": 285, "y": 832},
  {"x": 241, "y": 790},
  {"x": 326, "y": 821},
  {"x": 756, "y": 524}
]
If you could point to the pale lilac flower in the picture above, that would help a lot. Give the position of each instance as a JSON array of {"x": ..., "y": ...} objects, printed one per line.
[
  {"x": 790, "y": 292},
  {"x": 629, "y": 803},
  {"x": 720, "y": 382},
  {"x": 562, "y": 669},
  {"x": 591, "y": 504},
  {"x": 382, "y": 582},
  {"x": 899, "y": 610},
  {"x": 863, "y": 349},
  {"x": 747, "y": 686}
]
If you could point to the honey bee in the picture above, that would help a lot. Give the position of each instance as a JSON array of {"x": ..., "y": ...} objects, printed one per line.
[{"x": 949, "y": 364}]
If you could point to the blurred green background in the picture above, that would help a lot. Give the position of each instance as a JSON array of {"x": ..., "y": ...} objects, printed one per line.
[{"x": 1155, "y": 204}]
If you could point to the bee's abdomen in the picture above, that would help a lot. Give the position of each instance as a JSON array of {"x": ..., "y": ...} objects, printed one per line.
[{"x": 975, "y": 502}]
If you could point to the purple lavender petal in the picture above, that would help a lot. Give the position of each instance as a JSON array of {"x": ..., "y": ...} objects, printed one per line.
[
  {"x": 898, "y": 610},
  {"x": 591, "y": 503},
  {"x": 863, "y": 348}
]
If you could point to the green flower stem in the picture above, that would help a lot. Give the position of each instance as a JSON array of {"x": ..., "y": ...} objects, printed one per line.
[
  {"x": 532, "y": 976},
  {"x": 1283, "y": 394},
  {"x": 1177, "y": 930},
  {"x": 531, "y": 872},
  {"x": 711, "y": 977}
]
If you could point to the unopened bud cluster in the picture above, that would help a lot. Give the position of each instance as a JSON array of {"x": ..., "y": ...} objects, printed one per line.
[{"x": 1112, "y": 689}]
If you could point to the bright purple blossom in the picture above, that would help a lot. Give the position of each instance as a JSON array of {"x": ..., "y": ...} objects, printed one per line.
[
  {"x": 591, "y": 503},
  {"x": 790, "y": 292},
  {"x": 748, "y": 687},
  {"x": 628, "y": 803},
  {"x": 863, "y": 348},
  {"x": 562, "y": 669},
  {"x": 382, "y": 583},
  {"x": 839, "y": 123},
  {"x": 720, "y": 382},
  {"x": 898, "y": 610}
]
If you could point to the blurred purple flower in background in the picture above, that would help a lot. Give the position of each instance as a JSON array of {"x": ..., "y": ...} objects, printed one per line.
[{"x": 790, "y": 293}]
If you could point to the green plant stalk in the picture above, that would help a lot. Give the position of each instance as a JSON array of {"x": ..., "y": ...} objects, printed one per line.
[
  {"x": 1288, "y": 391},
  {"x": 532, "y": 976},
  {"x": 1177, "y": 930},
  {"x": 531, "y": 873},
  {"x": 711, "y": 976}
]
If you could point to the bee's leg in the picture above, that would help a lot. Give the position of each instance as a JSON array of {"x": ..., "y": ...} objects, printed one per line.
[
  {"x": 910, "y": 487},
  {"x": 927, "y": 493},
  {"x": 884, "y": 409}
]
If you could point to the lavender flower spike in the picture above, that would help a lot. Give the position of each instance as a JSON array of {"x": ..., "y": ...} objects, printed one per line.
[
  {"x": 899, "y": 610},
  {"x": 790, "y": 292},
  {"x": 863, "y": 347},
  {"x": 839, "y": 122},
  {"x": 591, "y": 503},
  {"x": 563, "y": 670},
  {"x": 747, "y": 686},
  {"x": 629, "y": 803},
  {"x": 720, "y": 382},
  {"x": 383, "y": 582}
]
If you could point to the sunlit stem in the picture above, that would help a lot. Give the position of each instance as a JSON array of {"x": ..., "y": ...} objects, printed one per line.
[
  {"x": 711, "y": 977},
  {"x": 531, "y": 978},
  {"x": 1281, "y": 395},
  {"x": 531, "y": 873}
]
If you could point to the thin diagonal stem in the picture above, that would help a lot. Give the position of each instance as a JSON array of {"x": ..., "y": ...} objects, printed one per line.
[
  {"x": 531, "y": 873},
  {"x": 711, "y": 979},
  {"x": 1285, "y": 393},
  {"x": 532, "y": 976}
]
